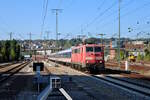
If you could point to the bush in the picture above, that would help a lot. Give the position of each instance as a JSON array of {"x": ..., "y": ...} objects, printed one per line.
[
  {"x": 9, "y": 50},
  {"x": 147, "y": 55},
  {"x": 140, "y": 57}
]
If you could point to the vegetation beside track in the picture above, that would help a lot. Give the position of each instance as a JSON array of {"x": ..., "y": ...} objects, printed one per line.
[{"x": 9, "y": 50}]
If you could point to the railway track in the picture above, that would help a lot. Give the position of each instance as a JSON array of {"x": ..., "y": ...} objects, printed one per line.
[
  {"x": 124, "y": 84},
  {"x": 47, "y": 70},
  {"x": 7, "y": 65},
  {"x": 11, "y": 72},
  {"x": 129, "y": 85}
]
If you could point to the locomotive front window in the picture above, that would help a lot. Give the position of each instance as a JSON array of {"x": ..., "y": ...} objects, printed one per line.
[
  {"x": 97, "y": 49},
  {"x": 89, "y": 49}
]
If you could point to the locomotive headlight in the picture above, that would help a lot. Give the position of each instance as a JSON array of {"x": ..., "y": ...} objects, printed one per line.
[
  {"x": 88, "y": 58},
  {"x": 98, "y": 58}
]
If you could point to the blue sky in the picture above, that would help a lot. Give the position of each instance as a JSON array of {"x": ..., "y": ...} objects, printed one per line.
[{"x": 92, "y": 16}]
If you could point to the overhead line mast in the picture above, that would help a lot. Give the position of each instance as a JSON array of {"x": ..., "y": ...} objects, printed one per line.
[
  {"x": 10, "y": 34},
  {"x": 56, "y": 12},
  {"x": 119, "y": 35},
  {"x": 101, "y": 37}
]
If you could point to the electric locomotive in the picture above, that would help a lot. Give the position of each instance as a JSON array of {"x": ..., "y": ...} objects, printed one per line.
[{"x": 83, "y": 57}]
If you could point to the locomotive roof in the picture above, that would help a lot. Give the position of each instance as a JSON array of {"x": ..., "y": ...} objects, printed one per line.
[
  {"x": 69, "y": 50},
  {"x": 85, "y": 45}
]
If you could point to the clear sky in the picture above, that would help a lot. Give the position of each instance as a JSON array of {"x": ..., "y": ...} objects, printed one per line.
[{"x": 91, "y": 16}]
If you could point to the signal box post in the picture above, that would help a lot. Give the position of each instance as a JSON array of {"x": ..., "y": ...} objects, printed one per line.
[{"x": 38, "y": 67}]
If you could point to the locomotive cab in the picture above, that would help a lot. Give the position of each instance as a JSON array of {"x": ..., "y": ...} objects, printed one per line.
[
  {"x": 89, "y": 56},
  {"x": 94, "y": 57}
]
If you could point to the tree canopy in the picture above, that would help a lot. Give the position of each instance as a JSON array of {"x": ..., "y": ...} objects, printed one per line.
[{"x": 9, "y": 50}]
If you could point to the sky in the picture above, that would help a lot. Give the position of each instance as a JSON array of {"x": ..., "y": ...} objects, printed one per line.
[{"x": 77, "y": 17}]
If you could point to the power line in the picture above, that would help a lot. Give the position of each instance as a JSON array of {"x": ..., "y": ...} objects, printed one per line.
[
  {"x": 101, "y": 14},
  {"x": 69, "y": 4},
  {"x": 135, "y": 10},
  {"x": 126, "y": 14},
  {"x": 59, "y": 4},
  {"x": 43, "y": 8},
  {"x": 86, "y": 24},
  {"x": 114, "y": 12},
  {"x": 101, "y": 5},
  {"x": 44, "y": 16},
  {"x": 4, "y": 23}
]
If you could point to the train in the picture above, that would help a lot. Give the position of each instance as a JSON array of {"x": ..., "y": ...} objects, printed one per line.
[{"x": 85, "y": 57}]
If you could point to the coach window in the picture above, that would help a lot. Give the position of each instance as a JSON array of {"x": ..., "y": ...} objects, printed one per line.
[{"x": 89, "y": 49}]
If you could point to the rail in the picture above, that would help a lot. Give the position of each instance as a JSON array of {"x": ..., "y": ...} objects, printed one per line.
[
  {"x": 144, "y": 90},
  {"x": 14, "y": 70}
]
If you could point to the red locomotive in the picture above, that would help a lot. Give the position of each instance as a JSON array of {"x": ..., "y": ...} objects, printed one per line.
[
  {"x": 83, "y": 57},
  {"x": 90, "y": 56}
]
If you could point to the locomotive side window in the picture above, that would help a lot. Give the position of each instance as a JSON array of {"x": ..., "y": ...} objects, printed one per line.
[
  {"x": 78, "y": 50},
  {"x": 97, "y": 49},
  {"x": 89, "y": 49},
  {"x": 75, "y": 50}
]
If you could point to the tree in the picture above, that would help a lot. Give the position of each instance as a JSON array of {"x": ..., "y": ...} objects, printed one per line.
[
  {"x": 12, "y": 54},
  {"x": 67, "y": 44},
  {"x": 147, "y": 55},
  {"x": 140, "y": 57},
  {"x": 7, "y": 48},
  {"x": 3, "y": 52},
  {"x": 17, "y": 52},
  {"x": 122, "y": 55}
]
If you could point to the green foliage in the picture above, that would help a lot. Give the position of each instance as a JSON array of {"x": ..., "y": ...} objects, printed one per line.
[
  {"x": 140, "y": 57},
  {"x": 9, "y": 51},
  {"x": 12, "y": 54},
  {"x": 3, "y": 53},
  {"x": 91, "y": 40},
  {"x": 147, "y": 55},
  {"x": 17, "y": 52},
  {"x": 67, "y": 45},
  {"x": 122, "y": 55},
  {"x": 73, "y": 42}
]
